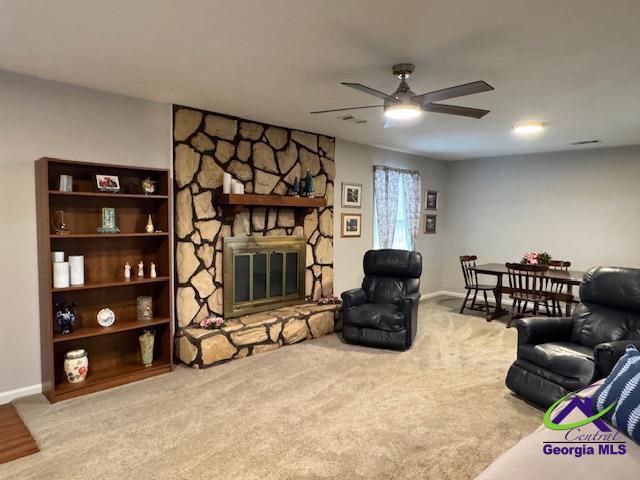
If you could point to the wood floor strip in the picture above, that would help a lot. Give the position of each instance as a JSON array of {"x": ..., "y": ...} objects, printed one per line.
[{"x": 15, "y": 439}]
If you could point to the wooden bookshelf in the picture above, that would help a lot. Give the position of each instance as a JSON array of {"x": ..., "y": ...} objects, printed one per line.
[{"x": 114, "y": 353}]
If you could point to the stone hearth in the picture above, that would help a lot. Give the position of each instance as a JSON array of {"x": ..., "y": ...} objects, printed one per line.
[{"x": 256, "y": 333}]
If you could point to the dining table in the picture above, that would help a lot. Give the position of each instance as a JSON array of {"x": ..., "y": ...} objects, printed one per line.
[{"x": 570, "y": 278}]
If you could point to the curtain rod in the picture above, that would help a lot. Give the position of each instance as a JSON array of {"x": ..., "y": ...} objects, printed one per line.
[{"x": 401, "y": 170}]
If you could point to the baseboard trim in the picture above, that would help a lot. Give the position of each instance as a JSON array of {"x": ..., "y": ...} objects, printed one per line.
[
  {"x": 10, "y": 395},
  {"x": 441, "y": 293}
]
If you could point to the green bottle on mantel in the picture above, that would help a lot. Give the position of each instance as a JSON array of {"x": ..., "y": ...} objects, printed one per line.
[
  {"x": 308, "y": 184},
  {"x": 296, "y": 187}
]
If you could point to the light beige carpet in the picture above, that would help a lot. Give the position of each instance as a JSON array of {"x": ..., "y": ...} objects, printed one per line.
[{"x": 319, "y": 409}]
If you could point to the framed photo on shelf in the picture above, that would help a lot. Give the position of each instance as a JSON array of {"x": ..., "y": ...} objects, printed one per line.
[
  {"x": 430, "y": 223},
  {"x": 351, "y": 225},
  {"x": 430, "y": 200},
  {"x": 107, "y": 183},
  {"x": 351, "y": 195}
]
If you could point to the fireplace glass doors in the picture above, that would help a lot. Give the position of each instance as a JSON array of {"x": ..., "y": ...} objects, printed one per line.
[{"x": 262, "y": 273}]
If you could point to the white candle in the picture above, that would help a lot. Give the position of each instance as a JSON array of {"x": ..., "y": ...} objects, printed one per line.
[
  {"x": 57, "y": 257},
  {"x": 236, "y": 187},
  {"x": 61, "y": 275},
  {"x": 76, "y": 265},
  {"x": 226, "y": 182}
]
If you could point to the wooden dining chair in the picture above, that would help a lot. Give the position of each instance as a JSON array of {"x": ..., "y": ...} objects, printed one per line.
[
  {"x": 472, "y": 285},
  {"x": 554, "y": 286},
  {"x": 526, "y": 283}
]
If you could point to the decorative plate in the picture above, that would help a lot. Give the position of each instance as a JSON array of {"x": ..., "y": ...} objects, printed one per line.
[{"x": 106, "y": 317}]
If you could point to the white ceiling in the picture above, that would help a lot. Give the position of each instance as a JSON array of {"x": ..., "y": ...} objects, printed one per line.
[{"x": 574, "y": 64}]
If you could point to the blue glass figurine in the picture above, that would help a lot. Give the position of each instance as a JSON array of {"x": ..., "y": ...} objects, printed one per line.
[
  {"x": 296, "y": 187},
  {"x": 303, "y": 191},
  {"x": 65, "y": 318},
  {"x": 308, "y": 185}
]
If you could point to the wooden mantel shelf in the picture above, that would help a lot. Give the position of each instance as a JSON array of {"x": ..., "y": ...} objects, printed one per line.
[
  {"x": 233, "y": 203},
  {"x": 256, "y": 200}
]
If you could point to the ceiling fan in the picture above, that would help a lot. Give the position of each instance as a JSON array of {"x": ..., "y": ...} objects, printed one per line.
[{"x": 403, "y": 104}]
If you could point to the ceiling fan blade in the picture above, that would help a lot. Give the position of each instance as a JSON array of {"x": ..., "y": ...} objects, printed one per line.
[
  {"x": 343, "y": 109},
  {"x": 452, "y": 92},
  {"x": 455, "y": 110},
  {"x": 370, "y": 91}
]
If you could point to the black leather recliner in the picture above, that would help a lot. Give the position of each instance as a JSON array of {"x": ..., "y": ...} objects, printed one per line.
[
  {"x": 560, "y": 355},
  {"x": 384, "y": 312}
]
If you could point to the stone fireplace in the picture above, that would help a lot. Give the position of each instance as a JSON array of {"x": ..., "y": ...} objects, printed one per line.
[{"x": 266, "y": 159}]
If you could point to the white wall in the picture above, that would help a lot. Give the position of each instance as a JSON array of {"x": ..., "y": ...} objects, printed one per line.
[
  {"x": 354, "y": 164},
  {"x": 582, "y": 206},
  {"x": 41, "y": 118}
]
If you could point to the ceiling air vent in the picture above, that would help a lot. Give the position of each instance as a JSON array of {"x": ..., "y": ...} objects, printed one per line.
[
  {"x": 351, "y": 118},
  {"x": 585, "y": 142}
]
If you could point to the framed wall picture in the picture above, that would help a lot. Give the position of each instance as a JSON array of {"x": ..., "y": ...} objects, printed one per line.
[
  {"x": 351, "y": 225},
  {"x": 430, "y": 223},
  {"x": 107, "y": 183},
  {"x": 430, "y": 200},
  {"x": 351, "y": 195}
]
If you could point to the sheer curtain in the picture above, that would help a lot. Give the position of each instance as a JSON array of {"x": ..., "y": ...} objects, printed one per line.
[
  {"x": 411, "y": 186},
  {"x": 386, "y": 188}
]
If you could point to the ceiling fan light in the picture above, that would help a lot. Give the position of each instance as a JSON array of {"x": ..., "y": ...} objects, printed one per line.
[
  {"x": 529, "y": 128},
  {"x": 402, "y": 111}
]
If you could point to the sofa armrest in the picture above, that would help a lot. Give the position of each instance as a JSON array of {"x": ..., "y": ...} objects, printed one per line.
[
  {"x": 410, "y": 300},
  {"x": 409, "y": 307},
  {"x": 606, "y": 355},
  {"x": 538, "y": 330},
  {"x": 352, "y": 298}
]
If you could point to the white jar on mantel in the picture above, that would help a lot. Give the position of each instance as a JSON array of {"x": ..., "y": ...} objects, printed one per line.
[{"x": 76, "y": 365}]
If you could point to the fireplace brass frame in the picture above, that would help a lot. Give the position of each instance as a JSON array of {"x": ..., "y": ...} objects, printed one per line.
[{"x": 233, "y": 246}]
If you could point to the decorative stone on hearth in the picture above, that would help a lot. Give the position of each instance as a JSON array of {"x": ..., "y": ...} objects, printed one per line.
[
  {"x": 255, "y": 333},
  {"x": 267, "y": 160}
]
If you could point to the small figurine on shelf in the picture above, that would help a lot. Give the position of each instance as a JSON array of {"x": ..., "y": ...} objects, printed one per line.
[
  {"x": 141, "y": 269},
  {"x": 65, "y": 318},
  {"x": 303, "y": 191},
  {"x": 127, "y": 271},
  {"x": 149, "y": 228},
  {"x": 295, "y": 189},
  {"x": 153, "y": 273},
  {"x": 148, "y": 186},
  {"x": 308, "y": 185}
]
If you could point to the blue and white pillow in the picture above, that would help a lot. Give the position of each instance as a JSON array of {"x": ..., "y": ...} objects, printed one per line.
[
  {"x": 611, "y": 390},
  {"x": 627, "y": 412},
  {"x": 623, "y": 386}
]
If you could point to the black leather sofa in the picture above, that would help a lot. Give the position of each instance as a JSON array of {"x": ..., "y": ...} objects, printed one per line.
[
  {"x": 384, "y": 312},
  {"x": 559, "y": 355}
]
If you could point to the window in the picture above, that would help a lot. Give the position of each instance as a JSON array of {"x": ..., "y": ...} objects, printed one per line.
[{"x": 397, "y": 207}]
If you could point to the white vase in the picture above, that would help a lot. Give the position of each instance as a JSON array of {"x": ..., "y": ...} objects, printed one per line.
[
  {"x": 76, "y": 365},
  {"x": 61, "y": 275},
  {"x": 226, "y": 182},
  {"x": 76, "y": 266}
]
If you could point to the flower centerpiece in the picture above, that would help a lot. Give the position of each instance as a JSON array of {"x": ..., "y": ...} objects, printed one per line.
[
  {"x": 330, "y": 300},
  {"x": 212, "y": 322},
  {"x": 536, "y": 258}
]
